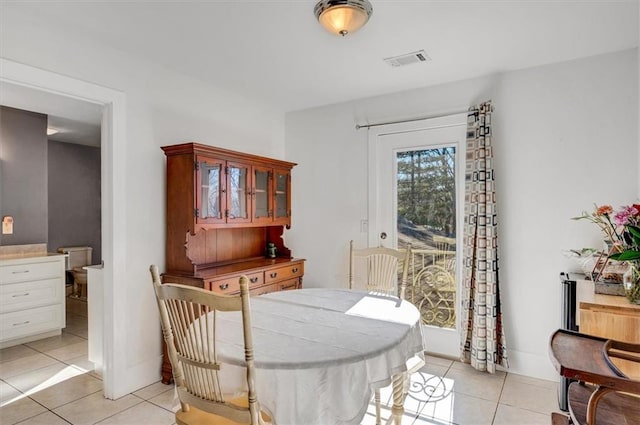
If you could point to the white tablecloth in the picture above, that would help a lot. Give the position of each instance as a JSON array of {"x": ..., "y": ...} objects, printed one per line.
[{"x": 320, "y": 352}]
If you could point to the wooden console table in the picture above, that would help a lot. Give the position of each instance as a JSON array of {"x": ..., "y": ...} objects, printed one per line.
[{"x": 611, "y": 317}]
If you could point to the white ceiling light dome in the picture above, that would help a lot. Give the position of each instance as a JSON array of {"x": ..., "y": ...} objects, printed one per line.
[{"x": 342, "y": 17}]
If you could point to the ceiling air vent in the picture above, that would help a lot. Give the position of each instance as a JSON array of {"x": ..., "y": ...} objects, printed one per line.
[{"x": 408, "y": 59}]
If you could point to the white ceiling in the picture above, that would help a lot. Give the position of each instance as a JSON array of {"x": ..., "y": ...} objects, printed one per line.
[
  {"x": 77, "y": 121},
  {"x": 276, "y": 51}
]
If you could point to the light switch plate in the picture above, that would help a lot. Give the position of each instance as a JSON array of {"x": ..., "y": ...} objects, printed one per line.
[{"x": 7, "y": 225}]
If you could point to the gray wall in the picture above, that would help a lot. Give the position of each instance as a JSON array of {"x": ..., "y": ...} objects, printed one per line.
[
  {"x": 74, "y": 197},
  {"x": 23, "y": 175}
]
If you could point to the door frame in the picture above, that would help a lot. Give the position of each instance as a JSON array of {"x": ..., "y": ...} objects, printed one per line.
[
  {"x": 373, "y": 154},
  {"x": 113, "y": 188},
  {"x": 374, "y": 206}
]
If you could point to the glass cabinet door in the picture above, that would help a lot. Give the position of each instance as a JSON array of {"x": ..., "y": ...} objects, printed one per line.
[
  {"x": 210, "y": 198},
  {"x": 238, "y": 197},
  {"x": 282, "y": 195},
  {"x": 262, "y": 208}
]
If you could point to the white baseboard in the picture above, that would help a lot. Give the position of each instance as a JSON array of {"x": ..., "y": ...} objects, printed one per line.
[
  {"x": 140, "y": 376},
  {"x": 533, "y": 365},
  {"x": 30, "y": 338}
]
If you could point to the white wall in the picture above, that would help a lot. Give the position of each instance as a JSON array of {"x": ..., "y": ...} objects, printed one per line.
[
  {"x": 163, "y": 108},
  {"x": 565, "y": 136}
]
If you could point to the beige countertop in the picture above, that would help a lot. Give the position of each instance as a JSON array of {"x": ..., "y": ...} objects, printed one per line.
[{"x": 16, "y": 252}]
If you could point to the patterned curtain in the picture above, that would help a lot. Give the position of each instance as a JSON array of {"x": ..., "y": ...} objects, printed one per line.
[{"x": 482, "y": 339}]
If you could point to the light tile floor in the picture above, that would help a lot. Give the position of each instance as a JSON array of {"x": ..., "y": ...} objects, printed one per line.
[{"x": 49, "y": 382}]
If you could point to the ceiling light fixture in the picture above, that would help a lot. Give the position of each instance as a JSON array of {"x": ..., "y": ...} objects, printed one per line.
[
  {"x": 51, "y": 131},
  {"x": 342, "y": 17}
]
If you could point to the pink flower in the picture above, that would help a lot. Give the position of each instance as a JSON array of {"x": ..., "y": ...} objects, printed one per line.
[{"x": 622, "y": 217}]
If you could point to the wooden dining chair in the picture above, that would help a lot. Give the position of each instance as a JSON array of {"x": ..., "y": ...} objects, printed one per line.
[
  {"x": 380, "y": 268},
  {"x": 601, "y": 394},
  {"x": 192, "y": 350}
]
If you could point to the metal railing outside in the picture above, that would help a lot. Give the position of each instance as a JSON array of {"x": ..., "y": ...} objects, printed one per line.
[{"x": 432, "y": 286}]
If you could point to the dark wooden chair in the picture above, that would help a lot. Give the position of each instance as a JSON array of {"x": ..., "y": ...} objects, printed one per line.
[{"x": 602, "y": 394}]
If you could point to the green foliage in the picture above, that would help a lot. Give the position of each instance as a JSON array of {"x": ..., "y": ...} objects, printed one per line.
[
  {"x": 626, "y": 256},
  {"x": 631, "y": 251},
  {"x": 426, "y": 188}
]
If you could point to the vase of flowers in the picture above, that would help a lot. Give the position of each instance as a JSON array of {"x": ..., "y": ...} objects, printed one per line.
[
  {"x": 622, "y": 230},
  {"x": 631, "y": 282}
]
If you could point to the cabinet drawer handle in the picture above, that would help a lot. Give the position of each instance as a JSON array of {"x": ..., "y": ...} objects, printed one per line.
[
  {"x": 295, "y": 270},
  {"x": 253, "y": 279},
  {"x": 23, "y": 323},
  {"x": 224, "y": 286},
  {"x": 273, "y": 275},
  {"x": 26, "y": 294},
  {"x": 20, "y": 272}
]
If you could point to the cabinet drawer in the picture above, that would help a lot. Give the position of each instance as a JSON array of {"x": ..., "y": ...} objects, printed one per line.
[
  {"x": 31, "y": 271},
  {"x": 264, "y": 289},
  {"x": 231, "y": 285},
  {"x": 283, "y": 273},
  {"x": 18, "y": 296},
  {"x": 33, "y": 321},
  {"x": 225, "y": 286},
  {"x": 255, "y": 279},
  {"x": 288, "y": 284}
]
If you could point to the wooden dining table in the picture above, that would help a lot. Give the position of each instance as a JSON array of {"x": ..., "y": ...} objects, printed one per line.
[{"x": 320, "y": 353}]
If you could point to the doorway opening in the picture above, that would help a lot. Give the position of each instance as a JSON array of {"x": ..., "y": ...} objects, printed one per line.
[
  {"x": 416, "y": 190},
  {"x": 113, "y": 190},
  {"x": 68, "y": 157}
]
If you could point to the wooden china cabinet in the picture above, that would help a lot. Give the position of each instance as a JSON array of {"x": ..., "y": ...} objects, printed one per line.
[{"x": 223, "y": 208}]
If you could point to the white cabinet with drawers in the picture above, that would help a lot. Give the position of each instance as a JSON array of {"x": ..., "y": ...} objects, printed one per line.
[{"x": 32, "y": 298}]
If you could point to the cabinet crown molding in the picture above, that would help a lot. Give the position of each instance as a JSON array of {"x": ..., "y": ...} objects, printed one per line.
[{"x": 226, "y": 154}]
